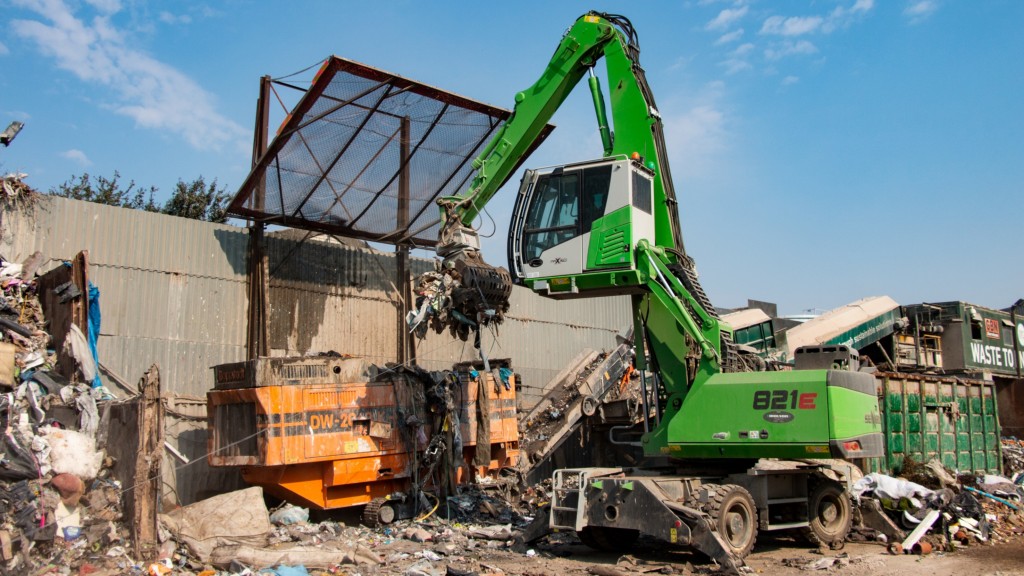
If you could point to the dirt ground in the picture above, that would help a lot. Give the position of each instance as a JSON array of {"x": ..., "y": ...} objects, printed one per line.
[{"x": 773, "y": 556}]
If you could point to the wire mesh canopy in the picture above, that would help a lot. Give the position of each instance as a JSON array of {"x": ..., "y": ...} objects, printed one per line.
[{"x": 365, "y": 153}]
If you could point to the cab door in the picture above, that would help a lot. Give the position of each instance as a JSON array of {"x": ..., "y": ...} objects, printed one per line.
[{"x": 551, "y": 243}]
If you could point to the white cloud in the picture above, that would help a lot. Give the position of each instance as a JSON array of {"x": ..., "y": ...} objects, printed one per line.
[
  {"x": 106, "y": 6},
  {"x": 729, "y": 36},
  {"x": 743, "y": 49},
  {"x": 698, "y": 136},
  {"x": 735, "y": 65},
  {"x": 76, "y": 156},
  {"x": 789, "y": 48},
  {"x": 863, "y": 6},
  {"x": 859, "y": 7},
  {"x": 920, "y": 10},
  {"x": 726, "y": 18},
  {"x": 736, "y": 62},
  {"x": 152, "y": 93},
  {"x": 208, "y": 12},
  {"x": 680, "y": 63},
  {"x": 790, "y": 80},
  {"x": 4, "y": 50},
  {"x": 17, "y": 114},
  {"x": 792, "y": 26},
  {"x": 168, "y": 18},
  {"x": 841, "y": 16}
]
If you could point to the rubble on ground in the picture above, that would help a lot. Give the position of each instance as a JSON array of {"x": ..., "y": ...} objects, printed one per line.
[
  {"x": 592, "y": 380},
  {"x": 1013, "y": 456},
  {"x": 942, "y": 510},
  {"x": 236, "y": 534}
]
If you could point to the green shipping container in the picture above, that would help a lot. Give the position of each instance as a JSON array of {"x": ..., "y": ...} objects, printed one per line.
[{"x": 925, "y": 417}]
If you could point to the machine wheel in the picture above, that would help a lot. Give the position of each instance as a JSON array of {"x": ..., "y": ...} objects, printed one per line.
[
  {"x": 734, "y": 516},
  {"x": 830, "y": 514},
  {"x": 608, "y": 539},
  {"x": 378, "y": 513}
]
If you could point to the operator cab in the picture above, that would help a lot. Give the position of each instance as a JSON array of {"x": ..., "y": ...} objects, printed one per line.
[{"x": 579, "y": 218}]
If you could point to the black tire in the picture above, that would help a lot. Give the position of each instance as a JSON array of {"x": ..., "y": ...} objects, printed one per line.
[
  {"x": 608, "y": 539},
  {"x": 830, "y": 514},
  {"x": 734, "y": 516}
]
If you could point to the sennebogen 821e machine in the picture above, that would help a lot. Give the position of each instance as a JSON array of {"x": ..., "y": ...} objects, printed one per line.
[{"x": 728, "y": 449}]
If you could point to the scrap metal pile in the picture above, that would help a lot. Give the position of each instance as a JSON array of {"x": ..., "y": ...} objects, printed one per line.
[
  {"x": 460, "y": 299},
  {"x": 932, "y": 509},
  {"x": 595, "y": 380},
  {"x": 1013, "y": 456}
]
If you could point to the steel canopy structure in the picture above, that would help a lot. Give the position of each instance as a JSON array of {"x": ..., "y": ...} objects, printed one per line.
[{"x": 365, "y": 153}]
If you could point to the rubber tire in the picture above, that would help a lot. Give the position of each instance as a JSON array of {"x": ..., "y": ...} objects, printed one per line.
[
  {"x": 608, "y": 539},
  {"x": 734, "y": 516},
  {"x": 830, "y": 514}
]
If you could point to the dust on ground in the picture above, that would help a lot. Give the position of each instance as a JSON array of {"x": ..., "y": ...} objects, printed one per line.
[{"x": 773, "y": 556}]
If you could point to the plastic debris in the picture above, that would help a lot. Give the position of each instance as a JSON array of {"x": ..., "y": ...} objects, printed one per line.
[
  {"x": 72, "y": 452},
  {"x": 289, "y": 514}
]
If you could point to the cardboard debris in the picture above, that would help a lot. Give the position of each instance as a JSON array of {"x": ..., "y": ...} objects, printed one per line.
[{"x": 235, "y": 518}]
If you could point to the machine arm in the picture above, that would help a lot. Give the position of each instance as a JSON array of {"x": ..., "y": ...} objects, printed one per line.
[
  {"x": 592, "y": 37},
  {"x": 475, "y": 293}
]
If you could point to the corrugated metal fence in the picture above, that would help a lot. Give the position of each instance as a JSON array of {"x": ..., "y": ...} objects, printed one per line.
[{"x": 173, "y": 292}]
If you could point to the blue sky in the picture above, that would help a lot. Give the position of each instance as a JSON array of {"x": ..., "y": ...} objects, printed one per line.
[{"x": 823, "y": 150}]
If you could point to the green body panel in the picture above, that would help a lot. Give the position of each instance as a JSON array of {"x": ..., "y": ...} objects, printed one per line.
[
  {"x": 715, "y": 414},
  {"x": 852, "y": 414},
  {"x": 931, "y": 417},
  {"x": 770, "y": 415},
  {"x": 610, "y": 241}
]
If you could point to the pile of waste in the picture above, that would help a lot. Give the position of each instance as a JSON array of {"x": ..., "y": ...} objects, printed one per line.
[
  {"x": 21, "y": 318},
  {"x": 14, "y": 190},
  {"x": 236, "y": 533},
  {"x": 595, "y": 379},
  {"x": 59, "y": 504},
  {"x": 1013, "y": 456},
  {"x": 933, "y": 508}
]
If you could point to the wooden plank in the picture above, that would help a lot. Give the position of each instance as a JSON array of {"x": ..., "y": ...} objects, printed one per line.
[
  {"x": 61, "y": 315},
  {"x": 146, "y": 495}
]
